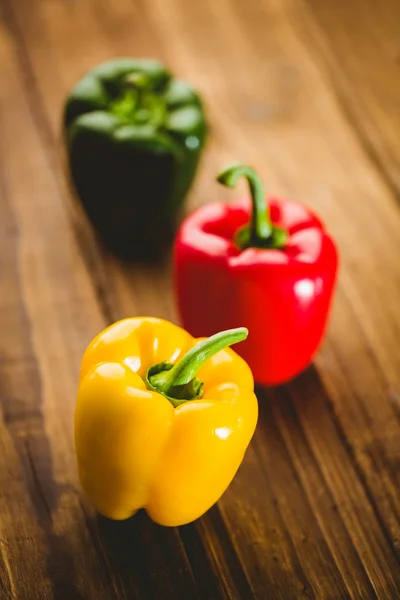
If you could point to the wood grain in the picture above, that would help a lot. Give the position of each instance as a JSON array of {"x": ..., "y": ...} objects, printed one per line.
[
  {"x": 359, "y": 46},
  {"x": 314, "y": 510}
]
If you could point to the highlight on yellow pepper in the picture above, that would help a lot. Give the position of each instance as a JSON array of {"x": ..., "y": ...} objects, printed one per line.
[{"x": 162, "y": 420}]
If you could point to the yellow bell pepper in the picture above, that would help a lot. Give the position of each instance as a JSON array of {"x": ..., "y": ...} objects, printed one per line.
[{"x": 162, "y": 420}]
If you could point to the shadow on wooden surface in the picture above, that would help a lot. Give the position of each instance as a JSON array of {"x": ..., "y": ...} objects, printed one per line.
[
  {"x": 133, "y": 549},
  {"x": 142, "y": 555}
]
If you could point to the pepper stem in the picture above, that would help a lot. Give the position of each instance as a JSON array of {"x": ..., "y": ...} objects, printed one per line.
[
  {"x": 260, "y": 233},
  {"x": 179, "y": 382},
  {"x": 138, "y": 102}
]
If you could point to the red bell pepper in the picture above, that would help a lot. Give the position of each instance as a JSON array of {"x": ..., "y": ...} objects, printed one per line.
[{"x": 266, "y": 264}]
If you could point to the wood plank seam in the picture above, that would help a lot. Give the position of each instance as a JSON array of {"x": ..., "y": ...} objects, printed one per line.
[
  {"x": 308, "y": 589},
  {"x": 285, "y": 393},
  {"x": 350, "y": 451},
  {"x": 301, "y": 475},
  {"x": 352, "y": 459},
  {"x": 34, "y": 433},
  {"x": 341, "y": 89}
]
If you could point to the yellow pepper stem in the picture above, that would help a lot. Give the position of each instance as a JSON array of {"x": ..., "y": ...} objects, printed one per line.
[{"x": 179, "y": 382}]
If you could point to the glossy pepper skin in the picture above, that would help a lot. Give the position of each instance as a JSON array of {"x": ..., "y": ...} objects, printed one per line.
[
  {"x": 138, "y": 448},
  {"x": 134, "y": 136},
  {"x": 281, "y": 290}
]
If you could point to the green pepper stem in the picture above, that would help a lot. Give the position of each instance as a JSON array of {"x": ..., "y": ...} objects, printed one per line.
[
  {"x": 138, "y": 102},
  {"x": 261, "y": 233},
  {"x": 179, "y": 381},
  {"x": 139, "y": 81}
]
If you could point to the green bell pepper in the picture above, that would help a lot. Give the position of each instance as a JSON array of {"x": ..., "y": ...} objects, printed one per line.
[{"x": 135, "y": 136}]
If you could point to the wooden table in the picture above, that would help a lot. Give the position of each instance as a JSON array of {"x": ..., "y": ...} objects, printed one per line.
[{"x": 309, "y": 93}]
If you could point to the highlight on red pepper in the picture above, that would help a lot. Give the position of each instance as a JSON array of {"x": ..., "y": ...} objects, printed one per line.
[{"x": 268, "y": 264}]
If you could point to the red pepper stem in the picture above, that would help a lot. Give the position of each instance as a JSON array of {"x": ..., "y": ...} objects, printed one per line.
[
  {"x": 260, "y": 232},
  {"x": 180, "y": 381},
  {"x": 261, "y": 228}
]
